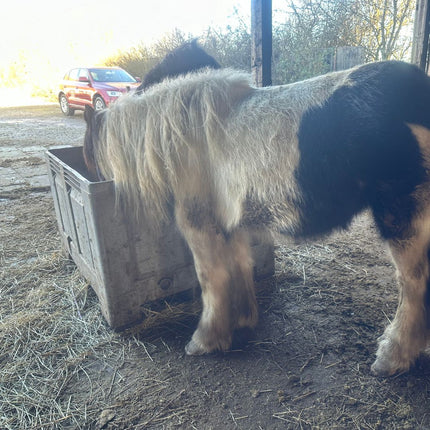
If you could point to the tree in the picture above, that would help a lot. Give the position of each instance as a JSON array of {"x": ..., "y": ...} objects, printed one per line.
[
  {"x": 379, "y": 26},
  {"x": 305, "y": 42},
  {"x": 231, "y": 46}
]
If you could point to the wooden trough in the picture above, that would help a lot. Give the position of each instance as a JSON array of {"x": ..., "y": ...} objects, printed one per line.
[{"x": 127, "y": 265}]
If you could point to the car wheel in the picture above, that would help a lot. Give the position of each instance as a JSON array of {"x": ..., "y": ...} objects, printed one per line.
[
  {"x": 99, "y": 103},
  {"x": 65, "y": 107}
]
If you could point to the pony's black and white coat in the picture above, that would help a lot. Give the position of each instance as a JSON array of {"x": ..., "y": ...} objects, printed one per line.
[{"x": 301, "y": 158}]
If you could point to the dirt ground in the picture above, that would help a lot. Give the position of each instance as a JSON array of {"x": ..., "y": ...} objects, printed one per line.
[{"x": 305, "y": 366}]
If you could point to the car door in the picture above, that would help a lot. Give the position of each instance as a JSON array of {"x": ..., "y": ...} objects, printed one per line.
[
  {"x": 84, "y": 91},
  {"x": 70, "y": 86}
]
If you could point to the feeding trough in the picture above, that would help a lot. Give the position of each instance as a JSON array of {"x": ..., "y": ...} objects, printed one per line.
[{"x": 128, "y": 265}]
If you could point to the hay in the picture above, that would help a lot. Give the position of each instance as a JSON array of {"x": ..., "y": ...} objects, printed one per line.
[
  {"x": 49, "y": 325},
  {"x": 52, "y": 333},
  {"x": 41, "y": 349},
  {"x": 61, "y": 367}
]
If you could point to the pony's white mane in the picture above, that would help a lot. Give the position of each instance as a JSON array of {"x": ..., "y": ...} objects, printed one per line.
[{"x": 153, "y": 142}]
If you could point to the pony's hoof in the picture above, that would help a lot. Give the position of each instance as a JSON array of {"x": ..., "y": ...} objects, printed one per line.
[
  {"x": 391, "y": 359},
  {"x": 387, "y": 366},
  {"x": 192, "y": 348},
  {"x": 382, "y": 368}
]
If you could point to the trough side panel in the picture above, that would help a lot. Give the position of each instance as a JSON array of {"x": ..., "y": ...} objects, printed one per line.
[{"x": 115, "y": 244}]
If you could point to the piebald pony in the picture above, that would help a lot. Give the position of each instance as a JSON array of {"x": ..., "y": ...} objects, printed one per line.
[{"x": 223, "y": 156}]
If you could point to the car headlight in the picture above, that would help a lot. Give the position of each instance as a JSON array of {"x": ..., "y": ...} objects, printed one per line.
[{"x": 113, "y": 93}]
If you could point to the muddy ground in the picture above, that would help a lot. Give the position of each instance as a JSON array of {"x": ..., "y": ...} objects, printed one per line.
[{"x": 307, "y": 364}]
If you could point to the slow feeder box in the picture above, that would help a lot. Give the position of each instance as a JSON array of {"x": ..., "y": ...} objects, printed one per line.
[{"x": 127, "y": 265}]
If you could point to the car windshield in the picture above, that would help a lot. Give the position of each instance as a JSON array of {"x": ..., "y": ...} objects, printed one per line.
[{"x": 111, "y": 75}]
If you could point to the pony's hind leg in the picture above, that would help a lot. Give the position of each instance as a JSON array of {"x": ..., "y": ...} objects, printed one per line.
[
  {"x": 224, "y": 268},
  {"x": 408, "y": 333}
]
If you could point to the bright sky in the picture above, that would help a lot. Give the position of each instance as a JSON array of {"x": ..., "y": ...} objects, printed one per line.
[
  {"x": 51, "y": 36},
  {"x": 55, "y": 34}
]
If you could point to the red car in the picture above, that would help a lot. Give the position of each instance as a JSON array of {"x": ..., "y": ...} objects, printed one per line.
[{"x": 95, "y": 86}]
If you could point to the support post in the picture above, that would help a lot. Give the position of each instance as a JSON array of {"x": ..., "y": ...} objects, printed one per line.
[
  {"x": 420, "y": 44},
  {"x": 261, "y": 42}
]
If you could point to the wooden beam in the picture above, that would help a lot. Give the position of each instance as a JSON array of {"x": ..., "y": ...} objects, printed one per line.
[
  {"x": 261, "y": 42},
  {"x": 420, "y": 44}
]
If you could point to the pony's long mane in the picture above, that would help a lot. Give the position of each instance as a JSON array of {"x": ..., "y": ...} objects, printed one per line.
[{"x": 168, "y": 136}]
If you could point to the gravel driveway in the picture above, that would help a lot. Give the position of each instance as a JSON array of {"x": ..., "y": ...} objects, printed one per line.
[{"x": 25, "y": 134}]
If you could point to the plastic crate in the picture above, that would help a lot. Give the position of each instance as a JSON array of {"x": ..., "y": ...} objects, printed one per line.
[{"x": 127, "y": 265}]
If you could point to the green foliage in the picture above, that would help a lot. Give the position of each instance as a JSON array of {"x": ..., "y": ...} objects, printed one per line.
[
  {"x": 44, "y": 92},
  {"x": 304, "y": 41},
  {"x": 14, "y": 75},
  {"x": 231, "y": 47},
  {"x": 378, "y": 26}
]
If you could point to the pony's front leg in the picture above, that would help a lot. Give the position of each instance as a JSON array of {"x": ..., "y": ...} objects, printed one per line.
[
  {"x": 214, "y": 331},
  {"x": 224, "y": 269}
]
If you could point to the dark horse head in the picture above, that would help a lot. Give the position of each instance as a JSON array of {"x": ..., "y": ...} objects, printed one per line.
[
  {"x": 95, "y": 121},
  {"x": 189, "y": 57}
]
